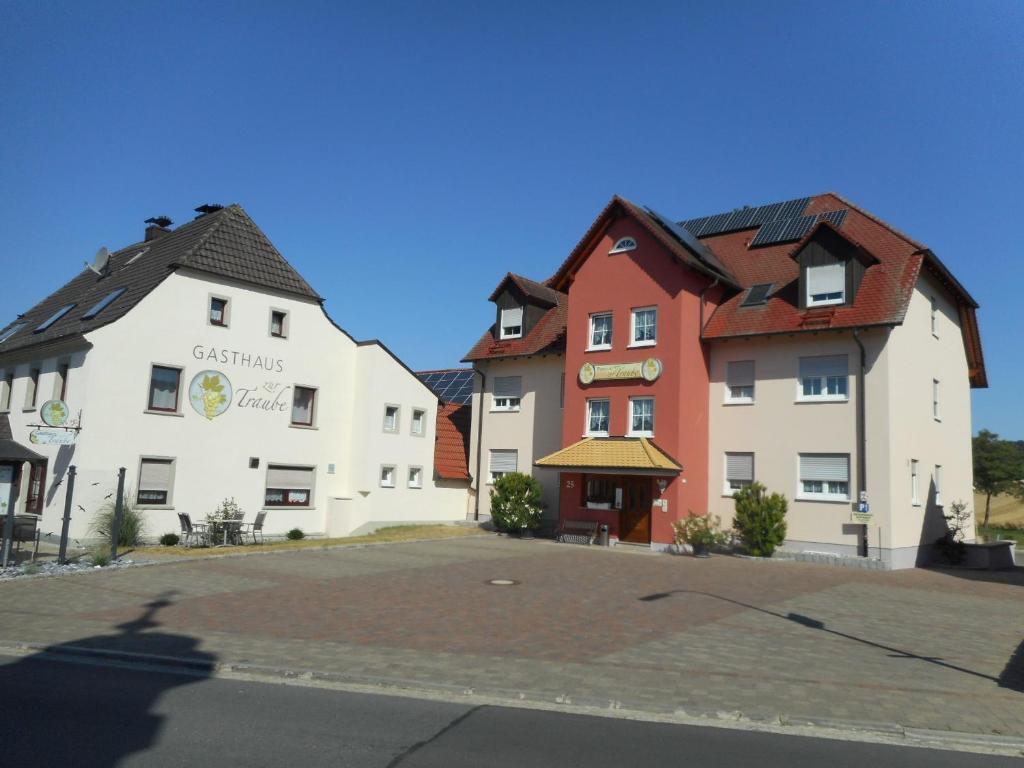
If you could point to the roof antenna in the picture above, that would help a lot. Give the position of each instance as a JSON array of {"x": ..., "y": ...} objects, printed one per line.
[{"x": 100, "y": 262}]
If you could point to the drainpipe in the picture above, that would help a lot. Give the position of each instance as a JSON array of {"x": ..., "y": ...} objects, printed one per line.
[
  {"x": 702, "y": 295},
  {"x": 479, "y": 441},
  {"x": 862, "y": 459}
]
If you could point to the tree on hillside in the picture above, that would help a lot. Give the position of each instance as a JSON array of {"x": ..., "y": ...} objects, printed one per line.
[{"x": 998, "y": 467}]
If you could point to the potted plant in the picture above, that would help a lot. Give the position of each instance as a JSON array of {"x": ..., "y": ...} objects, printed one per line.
[{"x": 701, "y": 532}]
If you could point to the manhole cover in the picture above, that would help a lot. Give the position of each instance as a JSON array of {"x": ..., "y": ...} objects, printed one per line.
[{"x": 502, "y": 582}]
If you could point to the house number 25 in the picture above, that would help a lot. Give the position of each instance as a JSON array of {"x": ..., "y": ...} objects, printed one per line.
[{"x": 570, "y": 483}]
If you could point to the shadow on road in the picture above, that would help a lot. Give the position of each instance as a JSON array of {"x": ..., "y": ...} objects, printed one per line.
[
  {"x": 79, "y": 714},
  {"x": 1012, "y": 676}
]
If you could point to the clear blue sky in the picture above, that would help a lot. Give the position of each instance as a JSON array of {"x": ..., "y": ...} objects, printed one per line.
[{"x": 404, "y": 156}]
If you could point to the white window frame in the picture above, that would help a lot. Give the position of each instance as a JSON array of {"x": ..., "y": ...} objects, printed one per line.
[
  {"x": 422, "y": 412},
  {"x": 418, "y": 472},
  {"x": 741, "y": 399},
  {"x": 936, "y": 413},
  {"x": 491, "y": 475},
  {"x": 591, "y": 346},
  {"x": 515, "y": 331},
  {"x": 589, "y": 404},
  {"x": 642, "y": 432},
  {"x": 398, "y": 419},
  {"x": 169, "y": 504},
  {"x": 622, "y": 245},
  {"x": 506, "y": 402},
  {"x": 823, "y": 383},
  {"x": 832, "y": 297},
  {"x": 915, "y": 481},
  {"x": 727, "y": 489},
  {"x": 387, "y": 482},
  {"x": 824, "y": 494},
  {"x": 632, "y": 327},
  {"x": 937, "y": 479}
]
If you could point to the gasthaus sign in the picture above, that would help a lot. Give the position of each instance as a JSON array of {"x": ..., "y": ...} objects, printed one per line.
[{"x": 212, "y": 393}]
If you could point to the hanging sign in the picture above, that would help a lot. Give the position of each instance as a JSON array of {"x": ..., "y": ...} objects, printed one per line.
[
  {"x": 52, "y": 437},
  {"x": 863, "y": 513},
  {"x": 648, "y": 370},
  {"x": 54, "y": 413}
]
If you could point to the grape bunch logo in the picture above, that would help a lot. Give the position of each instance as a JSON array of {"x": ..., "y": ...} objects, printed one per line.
[{"x": 210, "y": 393}]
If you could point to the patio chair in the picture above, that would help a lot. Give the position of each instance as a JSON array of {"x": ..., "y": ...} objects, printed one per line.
[
  {"x": 26, "y": 529},
  {"x": 193, "y": 534},
  {"x": 254, "y": 528},
  {"x": 233, "y": 525}
]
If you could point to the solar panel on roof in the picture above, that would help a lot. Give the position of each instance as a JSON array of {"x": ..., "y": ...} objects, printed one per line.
[
  {"x": 745, "y": 218},
  {"x": 793, "y": 229},
  {"x": 450, "y": 386},
  {"x": 758, "y": 294}
]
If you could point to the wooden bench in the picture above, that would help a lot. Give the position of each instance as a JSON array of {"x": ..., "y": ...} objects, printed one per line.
[{"x": 577, "y": 532}]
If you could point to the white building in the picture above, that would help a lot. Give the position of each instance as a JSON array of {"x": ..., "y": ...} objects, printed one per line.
[{"x": 203, "y": 363}]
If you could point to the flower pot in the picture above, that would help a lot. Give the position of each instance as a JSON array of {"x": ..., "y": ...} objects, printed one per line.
[
  {"x": 701, "y": 550},
  {"x": 526, "y": 533}
]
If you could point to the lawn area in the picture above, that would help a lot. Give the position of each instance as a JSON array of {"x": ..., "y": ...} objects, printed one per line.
[{"x": 394, "y": 533}]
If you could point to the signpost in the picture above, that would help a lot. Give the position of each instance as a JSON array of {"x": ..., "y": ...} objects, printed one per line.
[
  {"x": 115, "y": 534},
  {"x": 62, "y": 555}
]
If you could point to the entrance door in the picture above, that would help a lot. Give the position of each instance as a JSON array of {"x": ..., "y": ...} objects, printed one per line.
[{"x": 635, "y": 518}]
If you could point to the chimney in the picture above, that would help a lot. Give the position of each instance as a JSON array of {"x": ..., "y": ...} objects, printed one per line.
[{"x": 158, "y": 227}]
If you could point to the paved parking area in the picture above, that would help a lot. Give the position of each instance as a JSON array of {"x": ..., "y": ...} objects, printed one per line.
[{"x": 926, "y": 649}]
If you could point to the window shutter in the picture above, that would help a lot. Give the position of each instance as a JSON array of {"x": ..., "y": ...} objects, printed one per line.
[
  {"x": 155, "y": 475},
  {"x": 739, "y": 466},
  {"x": 830, "y": 365},
  {"x": 827, "y": 278},
  {"x": 293, "y": 478},
  {"x": 511, "y": 317},
  {"x": 740, "y": 374},
  {"x": 508, "y": 386},
  {"x": 821, "y": 466},
  {"x": 504, "y": 460}
]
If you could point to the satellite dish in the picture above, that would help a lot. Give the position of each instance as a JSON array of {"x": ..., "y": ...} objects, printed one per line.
[{"x": 99, "y": 263}]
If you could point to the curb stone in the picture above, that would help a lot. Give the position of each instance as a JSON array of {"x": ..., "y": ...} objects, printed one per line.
[{"x": 891, "y": 733}]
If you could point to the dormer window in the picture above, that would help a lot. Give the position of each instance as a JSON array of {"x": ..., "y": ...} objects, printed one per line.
[
  {"x": 622, "y": 245},
  {"x": 826, "y": 281},
  {"x": 511, "y": 323}
]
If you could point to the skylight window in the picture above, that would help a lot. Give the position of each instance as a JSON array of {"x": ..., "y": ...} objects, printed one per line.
[
  {"x": 5, "y": 335},
  {"x": 758, "y": 294},
  {"x": 103, "y": 303},
  {"x": 54, "y": 318},
  {"x": 136, "y": 257},
  {"x": 624, "y": 244}
]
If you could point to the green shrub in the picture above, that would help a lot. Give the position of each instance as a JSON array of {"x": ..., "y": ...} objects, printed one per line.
[
  {"x": 295, "y": 534},
  {"x": 951, "y": 544},
  {"x": 169, "y": 539},
  {"x": 100, "y": 557},
  {"x": 132, "y": 522},
  {"x": 760, "y": 520},
  {"x": 700, "y": 531},
  {"x": 516, "y": 502},
  {"x": 31, "y": 569}
]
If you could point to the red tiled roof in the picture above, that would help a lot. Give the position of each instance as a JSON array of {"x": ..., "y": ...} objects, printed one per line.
[
  {"x": 451, "y": 452},
  {"x": 548, "y": 335}
]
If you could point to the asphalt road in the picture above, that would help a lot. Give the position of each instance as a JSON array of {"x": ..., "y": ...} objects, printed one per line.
[{"x": 79, "y": 715}]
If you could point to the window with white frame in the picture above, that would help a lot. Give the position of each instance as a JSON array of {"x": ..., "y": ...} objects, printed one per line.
[
  {"x": 824, "y": 476},
  {"x": 415, "y": 477},
  {"x": 391, "y": 418},
  {"x": 739, "y": 382},
  {"x": 937, "y": 479},
  {"x": 507, "y": 393},
  {"x": 935, "y": 317},
  {"x": 6, "y": 388},
  {"x": 915, "y": 493},
  {"x": 824, "y": 378},
  {"x": 419, "y": 422},
  {"x": 601, "y": 331},
  {"x": 288, "y": 486},
  {"x": 387, "y": 476},
  {"x": 641, "y": 416},
  {"x": 739, "y": 472},
  {"x": 598, "y": 412},
  {"x": 502, "y": 461},
  {"x": 156, "y": 482},
  {"x": 622, "y": 245},
  {"x": 511, "y": 323},
  {"x": 645, "y": 327},
  {"x": 826, "y": 282},
  {"x": 935, "y": 400}
]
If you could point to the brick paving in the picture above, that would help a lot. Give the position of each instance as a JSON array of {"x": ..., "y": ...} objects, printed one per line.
[{"x": 925, "y": 649}]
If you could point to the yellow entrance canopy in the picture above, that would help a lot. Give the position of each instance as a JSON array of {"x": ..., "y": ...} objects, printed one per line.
[{"x": 634, "y": 454}]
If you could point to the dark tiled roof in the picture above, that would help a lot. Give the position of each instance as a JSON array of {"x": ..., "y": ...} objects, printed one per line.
[
  {"x": 546, "y": 337},
  {"x": 451, "y": 452},
  {"x": 540, "y": 292},
  {"x": 9, "y": 448},
  {"x": 226, "y": 243}
]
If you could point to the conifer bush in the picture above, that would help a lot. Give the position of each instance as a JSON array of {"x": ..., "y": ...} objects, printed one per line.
[{"x": 760, "y": 520}]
